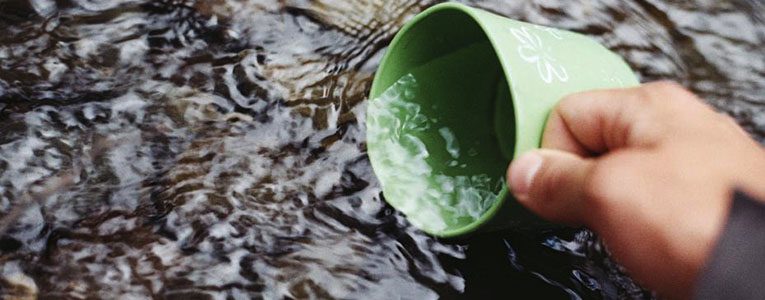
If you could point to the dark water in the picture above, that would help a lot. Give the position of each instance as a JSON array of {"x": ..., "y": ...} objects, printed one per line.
[{"x": 213, "y": 149}]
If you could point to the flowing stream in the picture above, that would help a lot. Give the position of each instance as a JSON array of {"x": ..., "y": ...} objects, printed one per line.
[{"x": 216, "y": 149}]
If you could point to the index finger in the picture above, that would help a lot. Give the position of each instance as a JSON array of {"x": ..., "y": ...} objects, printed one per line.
[{"x": 594, "y": 122}]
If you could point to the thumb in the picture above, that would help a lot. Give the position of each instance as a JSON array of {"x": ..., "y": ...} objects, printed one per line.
[{"x": 551, "y": 183}]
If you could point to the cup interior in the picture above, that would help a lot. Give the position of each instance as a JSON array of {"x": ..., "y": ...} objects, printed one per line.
[{"x": 463, "y": 93}]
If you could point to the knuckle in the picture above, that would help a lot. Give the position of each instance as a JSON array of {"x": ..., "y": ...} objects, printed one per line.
[
  {"x": 666, "y": 85},
  {"x": 643, "y": 97},
  {"x": 727, "y": 120},
  {"x": 668, "y": 90},
  {"x": 661, "y": 101}
]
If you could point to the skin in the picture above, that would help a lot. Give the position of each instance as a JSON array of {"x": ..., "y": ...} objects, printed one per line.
[{"x": 651, "y": 169}]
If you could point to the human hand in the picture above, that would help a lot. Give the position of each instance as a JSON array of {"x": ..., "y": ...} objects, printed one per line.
[{"x": 651, "y": 169}]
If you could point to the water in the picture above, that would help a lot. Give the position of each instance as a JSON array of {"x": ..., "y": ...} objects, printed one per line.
[
  {"x": 424, "y": 191},
  {"x": 186, "y": 149}
]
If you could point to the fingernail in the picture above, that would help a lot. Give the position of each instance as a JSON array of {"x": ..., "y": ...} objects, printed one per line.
[{"x": 522, "y": 173}]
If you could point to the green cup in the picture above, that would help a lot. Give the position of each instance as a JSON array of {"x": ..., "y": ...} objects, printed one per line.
[{"x": 459, "y": 94}]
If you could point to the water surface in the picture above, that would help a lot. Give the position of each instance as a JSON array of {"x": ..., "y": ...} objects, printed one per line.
[{"x": 215, "y": 149}]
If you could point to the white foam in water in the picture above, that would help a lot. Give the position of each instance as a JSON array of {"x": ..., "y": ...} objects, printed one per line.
[
  {"x": 408, "y": 181},
  {"x": 451, "y": 142}
]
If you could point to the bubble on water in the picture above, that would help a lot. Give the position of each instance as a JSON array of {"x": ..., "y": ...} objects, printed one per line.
[
  {"x": 451, "y": 142},
  {"x": 414, "y": 146},
  {"x": 409, "y": 93},
  {"x": 472, "y": 152}
]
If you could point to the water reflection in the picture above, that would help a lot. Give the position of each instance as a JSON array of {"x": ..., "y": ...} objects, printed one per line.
[{"x": 214, "y": 148}]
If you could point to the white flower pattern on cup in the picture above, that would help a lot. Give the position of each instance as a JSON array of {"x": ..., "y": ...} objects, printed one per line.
[
  {"x": 552, "y": 31},
  {"x": 532, "y": 50}
]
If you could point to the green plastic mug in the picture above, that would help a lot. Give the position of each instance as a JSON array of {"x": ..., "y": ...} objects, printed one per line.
[{"x": 487, "y": 82}]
